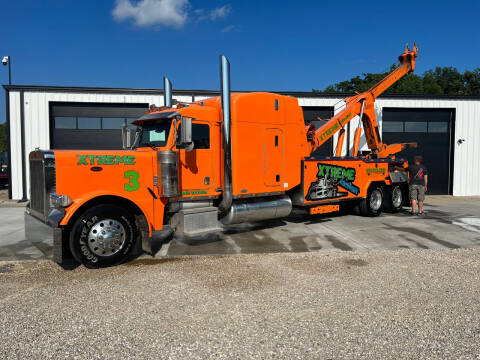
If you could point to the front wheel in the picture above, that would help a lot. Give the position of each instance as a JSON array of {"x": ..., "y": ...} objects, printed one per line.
[
  {"x": 372, "y": 204},
  {"x": 103, "y": 236}
]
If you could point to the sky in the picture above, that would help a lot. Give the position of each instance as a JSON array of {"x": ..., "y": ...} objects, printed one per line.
[{"x": 271, "y": 45}]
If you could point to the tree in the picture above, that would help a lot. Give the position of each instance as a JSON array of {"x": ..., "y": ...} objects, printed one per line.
[
  {"x": 472, "y": 82},
  {"x": 442, "y": 80}
]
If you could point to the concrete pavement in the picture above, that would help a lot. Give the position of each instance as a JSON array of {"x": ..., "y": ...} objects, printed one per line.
[{"x": 450, "y": 223}]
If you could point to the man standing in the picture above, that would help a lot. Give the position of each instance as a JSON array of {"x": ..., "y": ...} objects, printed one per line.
[{"x": 417, "y": 184}]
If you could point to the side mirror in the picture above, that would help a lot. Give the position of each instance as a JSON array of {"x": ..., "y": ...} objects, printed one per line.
[
  {"x": 184, "y": 141},
  {"x": 186, "y": 131}
]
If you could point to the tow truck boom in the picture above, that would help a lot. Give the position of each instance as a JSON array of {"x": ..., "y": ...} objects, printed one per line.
[{"x": 363, "y": 105}]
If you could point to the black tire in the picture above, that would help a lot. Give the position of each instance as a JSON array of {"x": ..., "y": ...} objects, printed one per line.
[
  {"x": 394, "y": 199},
  {"x": 96, "y": 248},
  {"x": 372, "y": 204}
]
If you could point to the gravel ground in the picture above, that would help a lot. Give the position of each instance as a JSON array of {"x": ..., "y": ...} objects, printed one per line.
[{"x": 337, "y": 305}]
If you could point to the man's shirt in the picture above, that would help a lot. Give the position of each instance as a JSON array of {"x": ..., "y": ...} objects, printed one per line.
[{"x": 417, "y": 174}]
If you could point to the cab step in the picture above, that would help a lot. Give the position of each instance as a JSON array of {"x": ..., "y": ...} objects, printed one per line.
[{"x": 197, "y": 221}]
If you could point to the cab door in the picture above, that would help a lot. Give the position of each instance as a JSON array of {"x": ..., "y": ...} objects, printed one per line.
[{"x": 196, "y": 166}]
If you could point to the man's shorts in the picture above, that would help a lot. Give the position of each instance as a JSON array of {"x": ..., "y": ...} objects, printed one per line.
[{"x": 417, "y": 192}]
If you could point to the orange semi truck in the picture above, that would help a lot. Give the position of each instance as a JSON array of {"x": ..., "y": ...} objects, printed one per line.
[{"x": 235, "y": 158}]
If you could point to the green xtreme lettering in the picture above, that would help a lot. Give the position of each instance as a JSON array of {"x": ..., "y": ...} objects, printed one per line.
[
  {"x": 337, "y": 172},
  {"x": 100, "y": 159},
  {"x": 82, "y": 160},
  {"x": 105, "y": 160}
]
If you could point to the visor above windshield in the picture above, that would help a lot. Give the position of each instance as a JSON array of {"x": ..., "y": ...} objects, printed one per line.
[{"x": 156, "y": 116}]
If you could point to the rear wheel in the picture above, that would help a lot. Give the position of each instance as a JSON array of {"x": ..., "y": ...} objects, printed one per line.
[
  {"x": 372, "y": 204},
  {"x": 393, "y": 201},
  {"x": 103, "y": 236}
]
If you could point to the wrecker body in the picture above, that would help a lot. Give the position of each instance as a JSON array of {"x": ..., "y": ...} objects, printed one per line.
[{"x": 230, "y": 159}]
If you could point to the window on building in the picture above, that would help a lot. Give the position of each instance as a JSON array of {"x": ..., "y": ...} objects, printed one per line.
[
  {"x": 438, "y": 127},
  {"x": 392, "y": 126},
  {"x": 112, "y": 122},
  {"x": 82, "y": 125},
  {"x": 88, "y": 122},
  {"x": 415, "y": 126},
  {"x": 65, "y": 122}
]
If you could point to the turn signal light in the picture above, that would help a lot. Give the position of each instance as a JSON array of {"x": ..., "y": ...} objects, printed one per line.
[{"x": 59, "y": 201}]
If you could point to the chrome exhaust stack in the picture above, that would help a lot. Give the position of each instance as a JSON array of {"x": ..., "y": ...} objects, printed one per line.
[
  {"x": 242, "y": 210},
  {"x": 226, "y": 202},
  {"x": 167, "y": 92}
]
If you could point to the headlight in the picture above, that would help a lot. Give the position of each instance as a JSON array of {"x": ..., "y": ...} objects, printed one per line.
[{"x": 59, "y": 201}]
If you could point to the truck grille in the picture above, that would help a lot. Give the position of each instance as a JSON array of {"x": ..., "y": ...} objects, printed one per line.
[{"x": 42, "y": 182}]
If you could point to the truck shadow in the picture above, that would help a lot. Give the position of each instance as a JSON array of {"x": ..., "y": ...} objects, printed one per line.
[
  {"x": 228, "y": 230},
  {"x": 251, "y": 237}
]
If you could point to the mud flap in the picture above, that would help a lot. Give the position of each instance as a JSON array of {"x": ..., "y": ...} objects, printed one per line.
[{"x": 151, "y": 245}]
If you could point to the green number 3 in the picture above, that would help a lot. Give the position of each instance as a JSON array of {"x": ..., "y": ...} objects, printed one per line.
[{"x": 132, "y": 177}]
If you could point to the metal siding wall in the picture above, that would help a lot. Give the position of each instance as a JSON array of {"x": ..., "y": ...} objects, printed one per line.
[
  {"x": 199, "y": 98},
  {"x": 467, "y": 168},
  {"x": 15, "y": 145},
  {"x": 181, "y": 98},
  {"x": 314, "y": 101}
]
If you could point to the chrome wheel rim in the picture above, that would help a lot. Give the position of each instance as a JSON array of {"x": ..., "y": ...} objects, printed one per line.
[
  {"x": 375, "y": 200},
  {"x": 106, "y": 237},
  {"x": 397, "y": 197}
]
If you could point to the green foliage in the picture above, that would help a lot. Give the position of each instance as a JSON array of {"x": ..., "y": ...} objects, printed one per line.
[
  {"x": 3, "y": 137},
  {"x": 442, "y": 80}
]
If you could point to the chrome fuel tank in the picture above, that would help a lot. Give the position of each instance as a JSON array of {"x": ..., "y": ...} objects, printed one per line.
[{"x": 258, "y": 209}]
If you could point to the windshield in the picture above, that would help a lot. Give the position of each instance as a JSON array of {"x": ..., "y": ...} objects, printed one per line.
[{"x": 154, "y": 134}]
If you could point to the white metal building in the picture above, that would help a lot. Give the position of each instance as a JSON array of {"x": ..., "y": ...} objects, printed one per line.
[{"x": 446, "y": 127}]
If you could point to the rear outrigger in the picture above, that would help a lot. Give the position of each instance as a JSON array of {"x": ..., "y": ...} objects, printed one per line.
[{"x": 230, "y": 159}]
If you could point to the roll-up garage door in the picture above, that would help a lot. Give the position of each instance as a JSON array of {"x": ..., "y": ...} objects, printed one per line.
[
  {"x": 432, "y": 129},
  {"x": 311, "y": 114},
  {"x": 90, "y": 125}
]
